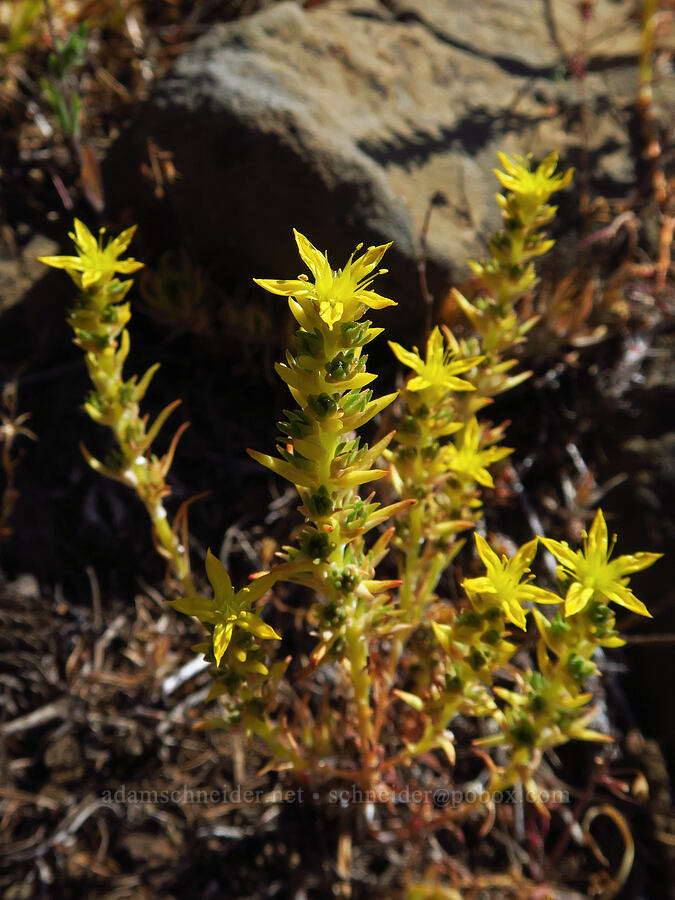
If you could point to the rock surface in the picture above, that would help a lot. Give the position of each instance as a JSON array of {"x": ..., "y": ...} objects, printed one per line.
[
  {"x": 345, "y": 119},
  {"x": 20, "y": 269}
]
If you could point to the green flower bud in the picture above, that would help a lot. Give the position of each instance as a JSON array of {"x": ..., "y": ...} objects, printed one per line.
[
  {"x": 523, "y": 732},
  {"x": 492, "y": 637},
  {"x": 453, "y": 684},
  {"x": 322, "y": 405},
  {"x": 356, "y": 402},
  {"x": 599, "y": 613},
  {"x": 469, "y": 619},
  {"x": 537, "y": 703},
  {"x": 355, "y": 333},
  {"x": 316, "y": 544},
  {"x": 307, "y": 344},
  {"x": 559, "y": 627},
  {"x": 579, "y": 668},
  {"x": 320, "y": 503},
  {"x": 476, "y": 660}
]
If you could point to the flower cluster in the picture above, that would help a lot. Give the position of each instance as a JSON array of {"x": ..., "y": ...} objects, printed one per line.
[
  {"x": 320, "y": 453},
  {"x": 392, "y": 644},
  {"x": 509, "y": 272},
  {"x": 550, "y": 704},
  {"x": 443, "y": 454}
]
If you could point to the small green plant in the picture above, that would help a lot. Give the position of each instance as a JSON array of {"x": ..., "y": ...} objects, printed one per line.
[
  {"x": 59, "y": 84},
  {"x": 443, "y": 453},
  {"x": 402, "y": 658},
  {"x": 173, "y": 296},
  {"x": 18, "y": 17},
  {"x": 98, "y": 318},
  {"x": 439, "y": 466},
  {"x": 321, "y": 454}
]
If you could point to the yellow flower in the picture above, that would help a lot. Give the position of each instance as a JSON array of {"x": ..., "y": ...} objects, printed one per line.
[
  {"x": 440, "y": 369},
  {"x": 468, "y": 460},
  {"x": 532, "y": 188},
  {"x": 503, "y": 580},
  {"x": 94, "y": 262},
  {"x": 227, "y": 610},
  {"x": 335, "y": 295},
  {"x": 593, "y": 575}
]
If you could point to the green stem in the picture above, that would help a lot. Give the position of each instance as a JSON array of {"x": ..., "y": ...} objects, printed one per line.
[
  {"x": 357, "y": 656},
  {"x": 170, "y": 542}
]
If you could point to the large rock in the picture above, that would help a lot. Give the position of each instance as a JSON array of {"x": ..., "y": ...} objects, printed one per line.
[{"x": 345, "y": 119}]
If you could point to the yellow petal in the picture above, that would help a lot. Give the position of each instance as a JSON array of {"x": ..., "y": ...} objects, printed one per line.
[
  {"x": 408, "y": 358},
  {"x": 521, "y": 561},
  {"x": 480, "y": 585},
  {"x": 495, "y": 454},
  {"x": 483, "y": 477},
  {"x": 315, "y": 261},
  {"x": 577, "y": 597},
  {"x": 455, "y": 384},
  {"x": 418, "y": 383},
  {"x": 487, "y": 554},
  {"x": 634, "y": 562},
  {"x": 443, "y": 635},
  {"x": 126, "y": 266},
  {"x": 515, "y": 613},
  {"x": 597, "y": 535},
  {"x": 119, "y": 244},
  {"x": 218, "y": 578},
  {"x": 625, "y": 597},
  {"x": 222, "y": 634},
  {"x": 90, "y": 276},
  {"x": 84, "y": 239},
  {"x": 203, "y": 608},
  {"x": 62, "y": 262},
  {"x": 253, "y": 623},
  {"x": 331, "y": 311},
  {"x": 539, "y": 595},
  {"x": 365, "y": 264},
  {"x": 285, "y": 287},
  {"x": 435, "y": 349},
  {"x": 373, "y": 300},
  {"x": 562, "y": 552}
]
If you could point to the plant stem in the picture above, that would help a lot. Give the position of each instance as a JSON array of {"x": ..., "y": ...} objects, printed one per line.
[
  {"x": 357, "y": 656},
  {"x": 170, "y": 542}
]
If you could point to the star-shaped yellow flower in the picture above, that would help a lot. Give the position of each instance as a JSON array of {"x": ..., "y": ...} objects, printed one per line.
[
  {"x": 227, "y": 610},
  {"x": 593, "y": 575},
  {"x": 503, "y": 579},
  {"x": 532, "y": 188},
  {"x": 94, "y": 263},
  {"x": 468, "y": 460},
  {"x": 335, "y": 296},
  {"x": 439, "y": 369}
]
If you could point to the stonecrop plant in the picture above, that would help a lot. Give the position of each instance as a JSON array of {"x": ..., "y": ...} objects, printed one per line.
[
  {"x": 98, "y": 318},
  {"x": 403, "y": 647},
  {"x": 321, "y": 453}
]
